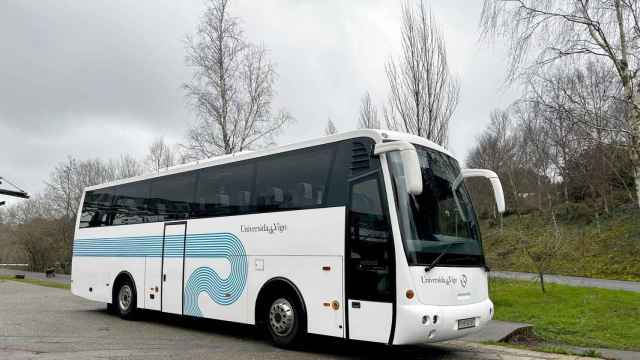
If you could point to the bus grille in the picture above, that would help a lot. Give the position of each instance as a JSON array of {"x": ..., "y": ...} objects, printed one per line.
[{"x": 359, "y": 157}]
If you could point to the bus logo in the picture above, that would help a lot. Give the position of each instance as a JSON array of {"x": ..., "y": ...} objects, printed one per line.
[{"x": 463, "y": 280}]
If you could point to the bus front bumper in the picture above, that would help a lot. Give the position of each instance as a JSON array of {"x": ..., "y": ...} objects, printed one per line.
[{"x": 432, "y": 323}]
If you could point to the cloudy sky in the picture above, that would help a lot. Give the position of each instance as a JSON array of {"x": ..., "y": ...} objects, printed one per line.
[{"x": 99, "y": 79}]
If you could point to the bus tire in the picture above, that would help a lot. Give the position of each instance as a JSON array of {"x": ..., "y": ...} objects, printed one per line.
[
  {"x": 124, "y": 300},
  {"x": 285, "y": 320}
]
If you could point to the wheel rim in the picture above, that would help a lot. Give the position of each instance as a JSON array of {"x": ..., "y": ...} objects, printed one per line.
[
  {"x": 281, "y": 317},
  {"x": 125, "y": 297}
]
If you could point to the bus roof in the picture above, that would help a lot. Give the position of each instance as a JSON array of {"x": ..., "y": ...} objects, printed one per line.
[{"x": 377, "y": 135}]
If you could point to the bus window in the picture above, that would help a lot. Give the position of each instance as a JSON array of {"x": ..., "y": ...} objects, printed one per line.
[
  {"x": 224, "y": 191},
  {"x": 172, "y": 197},
  {"x": 130, "y": 205},
  {"x": 292, "y": 181},
  {"x": 97, "y": 209}
]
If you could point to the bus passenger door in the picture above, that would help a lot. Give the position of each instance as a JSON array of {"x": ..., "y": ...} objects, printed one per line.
[
  {"x": 370, "y": 277},
  {"x": 173, "y": 266}
]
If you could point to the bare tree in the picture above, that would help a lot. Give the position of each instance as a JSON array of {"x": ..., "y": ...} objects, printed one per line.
[
  {"x": 423, "y": 93},
  {"x": 543, "y": 248},
  {"x": 232, "y": 89},
  {"x": 160, "y": 156},
  {"x": 542, "y": 32},
  {"x": 127, "y": 166},
  {"x": 575, "y": 105},
  {"x": 368, "y": 118},
  {"x": 61, "y": 188},
  {"x": 534, "y": 149},
  {"x": 62, "y": 196},
  {"x": 34, "y": 233},
  {"x": 497, "y": 149},
  {"x": 68, "y": 179},
  {"x": 330, "y": 129}
]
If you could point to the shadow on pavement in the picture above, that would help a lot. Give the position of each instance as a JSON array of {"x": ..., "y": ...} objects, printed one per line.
[{"x": 313, "y": 344}]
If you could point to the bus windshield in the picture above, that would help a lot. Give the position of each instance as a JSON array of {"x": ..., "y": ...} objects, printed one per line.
[{"x": 441, "y": 219}]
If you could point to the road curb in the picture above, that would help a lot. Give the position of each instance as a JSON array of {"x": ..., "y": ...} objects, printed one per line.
[{"x": 497, "y": 330}]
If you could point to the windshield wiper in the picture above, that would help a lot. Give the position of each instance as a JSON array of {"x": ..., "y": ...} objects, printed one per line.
[{"x": 442, "y": 253}]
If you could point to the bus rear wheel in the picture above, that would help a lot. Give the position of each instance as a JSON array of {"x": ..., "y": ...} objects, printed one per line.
[
  {"x": 284, "y": 320},
  {"x": 124, "y": 300}
]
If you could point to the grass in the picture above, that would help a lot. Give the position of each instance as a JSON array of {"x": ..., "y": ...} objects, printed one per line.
[
  {"x": 38, "y": 282},
  {"x": 606, "y": 246},
  {"x": 584, "y": 317}
]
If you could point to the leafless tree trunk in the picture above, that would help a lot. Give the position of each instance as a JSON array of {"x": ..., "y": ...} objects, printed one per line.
[
  {"x": 423, "y": 93},
  {"x": 542, "y": 32},
  {"x": 368, "y": 118},
  {"x": 232, "y": 89},
  {"x": 330, "y": 129},
  {"x": 543, "y": 249}
]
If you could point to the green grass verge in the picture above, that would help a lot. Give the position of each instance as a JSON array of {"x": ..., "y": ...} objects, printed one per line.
[
  {"x": 585, "y": 317},
  {"x": 46, "y": 283}
]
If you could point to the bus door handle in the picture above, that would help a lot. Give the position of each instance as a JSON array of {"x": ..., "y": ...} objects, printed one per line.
[
  {"x": 355, "y": 304},
  {"x": 164, "y": 277}
]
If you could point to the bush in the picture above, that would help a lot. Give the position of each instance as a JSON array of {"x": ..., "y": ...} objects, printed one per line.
[{"x": 575, "y": 213}]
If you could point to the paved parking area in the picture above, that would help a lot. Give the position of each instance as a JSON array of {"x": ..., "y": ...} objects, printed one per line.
[{"x": 45, "y": 323}]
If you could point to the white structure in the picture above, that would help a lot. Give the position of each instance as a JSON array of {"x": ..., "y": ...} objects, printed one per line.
[{"x": 366, "y": 235}]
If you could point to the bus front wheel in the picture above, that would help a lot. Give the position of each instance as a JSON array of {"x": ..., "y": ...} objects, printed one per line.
[
  {"x": 124, "y": 300},
  {"x": 284, "y": 320}
]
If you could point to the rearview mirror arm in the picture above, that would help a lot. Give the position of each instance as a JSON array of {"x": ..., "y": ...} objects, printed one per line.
[{"x": 495, "y": 184}]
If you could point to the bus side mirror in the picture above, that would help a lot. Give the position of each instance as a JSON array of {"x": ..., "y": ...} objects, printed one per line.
[
  {"x": 410, "y": 163},
  {"x": 495, "y": 183}
]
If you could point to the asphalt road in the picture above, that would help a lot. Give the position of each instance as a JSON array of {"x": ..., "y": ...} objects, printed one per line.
[
  {"x": 571, "y": 280},
  {"x": 46, "y": 323},
  {"x": 60, "y": 278}
]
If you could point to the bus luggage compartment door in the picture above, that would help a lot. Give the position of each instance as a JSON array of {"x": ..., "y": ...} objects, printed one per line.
[{"x": 173, "y": 267}]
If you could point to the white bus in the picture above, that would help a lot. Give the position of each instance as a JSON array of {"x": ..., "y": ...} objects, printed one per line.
[{"x": 367, "y": 235}]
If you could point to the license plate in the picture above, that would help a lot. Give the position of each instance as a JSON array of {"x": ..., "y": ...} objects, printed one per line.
[{"x": 466, "y": 323}]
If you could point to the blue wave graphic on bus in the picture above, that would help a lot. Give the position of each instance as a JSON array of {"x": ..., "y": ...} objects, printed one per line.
[
  {"x": 223, "y": 291},
  {"x": 204, "y": 279}
]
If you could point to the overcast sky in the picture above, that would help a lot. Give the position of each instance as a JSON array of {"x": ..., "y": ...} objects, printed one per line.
[{"x": 99, "y": 79}]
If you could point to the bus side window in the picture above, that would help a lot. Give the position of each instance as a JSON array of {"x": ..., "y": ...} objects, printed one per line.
[
  {"x": 97, "y": 209},
  {"x": 130, "y": 206},
  {"x": 369, "y": 243},
  {"x": 293, "y": 181},
  {"x": 172, "y": 197},
  {"x": 224, "y": 190}
]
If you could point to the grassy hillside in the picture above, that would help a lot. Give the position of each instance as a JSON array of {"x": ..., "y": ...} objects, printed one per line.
[{"x": 603, "y": 246}]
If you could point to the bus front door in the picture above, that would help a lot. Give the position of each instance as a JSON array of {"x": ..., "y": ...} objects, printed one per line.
[
  {"x": 370, "y": 280},
  {"x": 173, "y": 267}
]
